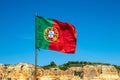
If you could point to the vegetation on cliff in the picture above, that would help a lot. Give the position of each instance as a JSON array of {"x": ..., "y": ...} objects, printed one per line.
[
  {"x": 78, "y": 64},
  {"x": 75, "y": 64},
  {"x": 51, "y": 65}
]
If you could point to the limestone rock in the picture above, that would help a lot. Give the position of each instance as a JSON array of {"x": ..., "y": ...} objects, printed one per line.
[{"x": 24, "y": 71}]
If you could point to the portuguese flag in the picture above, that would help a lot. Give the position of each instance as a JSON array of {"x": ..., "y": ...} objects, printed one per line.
[{"x": 52, "y": 34}]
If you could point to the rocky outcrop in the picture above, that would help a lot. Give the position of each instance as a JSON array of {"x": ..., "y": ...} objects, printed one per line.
[
  {"x": 24, "y": 71},
  {"x": 97, "y": 72}
]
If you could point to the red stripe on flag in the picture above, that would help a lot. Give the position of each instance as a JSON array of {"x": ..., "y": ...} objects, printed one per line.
[{"x": 66, "y": 41}]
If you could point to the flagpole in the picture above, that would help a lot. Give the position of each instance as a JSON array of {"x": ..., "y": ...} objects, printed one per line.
[
  {"x": 36, "y": 57},
  {"x": 36, "y": 53}
]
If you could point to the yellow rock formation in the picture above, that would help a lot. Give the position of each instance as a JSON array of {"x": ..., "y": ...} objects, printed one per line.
[{"x": 24, "y": 71}]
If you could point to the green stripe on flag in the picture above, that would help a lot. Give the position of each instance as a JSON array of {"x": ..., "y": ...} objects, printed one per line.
[{"x": 41, "y": 25}]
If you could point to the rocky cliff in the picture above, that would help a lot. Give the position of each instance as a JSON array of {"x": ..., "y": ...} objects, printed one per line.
[{"x": 24, "y": 71}]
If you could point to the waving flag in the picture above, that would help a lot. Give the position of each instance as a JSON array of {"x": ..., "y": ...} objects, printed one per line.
[{"x": 55, "y": 35}]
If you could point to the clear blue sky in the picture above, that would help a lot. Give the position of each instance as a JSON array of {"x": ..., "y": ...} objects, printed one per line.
[{"x": 97, "y": 24}]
